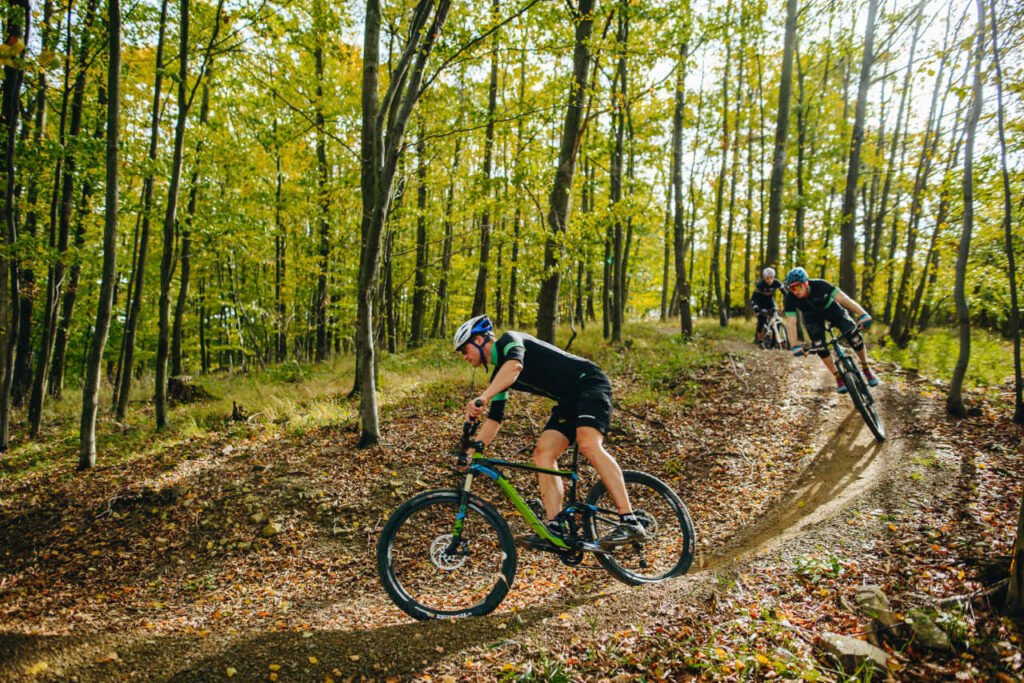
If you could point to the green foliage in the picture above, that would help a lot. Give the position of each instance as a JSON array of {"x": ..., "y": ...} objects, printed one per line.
[
  {"x": 934, "y": 352},
  {"x": 814, "y": 568}
]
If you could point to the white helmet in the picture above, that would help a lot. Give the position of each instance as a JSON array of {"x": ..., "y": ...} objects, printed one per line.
[
  {"x": 481, "y": 324},
  {"x": 768, "y": 272}
]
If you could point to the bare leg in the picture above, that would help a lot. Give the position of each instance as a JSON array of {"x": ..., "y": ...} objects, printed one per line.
[
  {"x": 591, "y": 443},
  {"x": 829, "y": 363},
  {"x": 550, "y": 445}
]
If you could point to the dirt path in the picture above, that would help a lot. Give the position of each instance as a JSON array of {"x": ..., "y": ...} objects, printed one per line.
[{"x": 842, "y": 462}]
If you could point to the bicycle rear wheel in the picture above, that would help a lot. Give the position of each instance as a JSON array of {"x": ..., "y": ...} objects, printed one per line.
[
  {"x": 428, "y": 575},
  {"x": 669, "y": 548},
  {"x": 864, "y": 402}
]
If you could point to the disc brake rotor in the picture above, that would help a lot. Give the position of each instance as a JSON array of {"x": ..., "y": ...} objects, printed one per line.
[{"x": 441, "y": 558}]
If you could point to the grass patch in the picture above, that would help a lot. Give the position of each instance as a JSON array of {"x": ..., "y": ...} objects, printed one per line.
[{"x": 934, "y": 353}]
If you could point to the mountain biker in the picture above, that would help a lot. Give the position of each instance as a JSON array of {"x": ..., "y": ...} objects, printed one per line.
[
  {"x": 821, "y": 301},
  {"x": 582, "y": 413},
  {"x": 763, "y": 300}
]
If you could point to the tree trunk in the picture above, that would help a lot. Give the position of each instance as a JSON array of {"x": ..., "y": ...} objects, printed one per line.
[
  {"x": 37, "y": 114},
  {"x": 440, "y": 326},
  {"x": 890, "y": 171},
  {"x": 558, "y": 200},
  {"x": 678, "y": 225},
  {"x": 9, "y": 286},
  {"x": 167, "y": 258},
  {"x": 131, "y": 324},
  {"x": 716, "y": 277},
  {"x": 91, "y": 386},
  {"x": 781, "y": 133},
  {"x": 74, "y": 274},
  {"x": 323, "y": 202},
  {"x": 186, "y": 240},
  {"x": 954, "y": 401},
  {"x": 848, "y": 218},
  {"x": 618, "y": 130},
  {"x": 419, "y": 292},
  {"x": 55, "y": 280},
  {"x": 1015, "y": 602},
  {"x": 480, "y": 295},
  {"x": 383, "y": 131}
]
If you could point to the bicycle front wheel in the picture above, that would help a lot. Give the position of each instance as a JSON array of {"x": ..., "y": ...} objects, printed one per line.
[
  {"x": 782, "y": 335},
  {"x": 862, "y": 399},
  {"x": 431, "y": 575},
  {"x": 669, "y": 548}
]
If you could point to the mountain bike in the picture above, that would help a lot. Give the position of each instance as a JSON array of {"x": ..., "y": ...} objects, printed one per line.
[
  {"x": 448, "y": 553},
  {"x": 775, "y": 335},
  {"x": 856, "y": 385}
]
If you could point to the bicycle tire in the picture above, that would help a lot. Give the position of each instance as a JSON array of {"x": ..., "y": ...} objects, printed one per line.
[
  {"x": 428, "y": 583},
  {"x": 861, "y": 396},
  {"x": 670, "y": 549},
  {"x": 782, "y": 335}
]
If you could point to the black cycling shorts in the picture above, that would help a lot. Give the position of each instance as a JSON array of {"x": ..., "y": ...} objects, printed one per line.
[
  {"x": 593, "y": 408},
  {"x": 838, "y": 316}
]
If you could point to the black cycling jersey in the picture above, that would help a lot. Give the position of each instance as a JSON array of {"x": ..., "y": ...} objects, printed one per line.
[
  {"x": 548, "y": 371},
  {"x": 764, "y": 293},
  {"x": 821, "y": 294}
]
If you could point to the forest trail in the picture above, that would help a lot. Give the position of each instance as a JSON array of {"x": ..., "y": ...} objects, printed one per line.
[{"x": 843, "y": 461}]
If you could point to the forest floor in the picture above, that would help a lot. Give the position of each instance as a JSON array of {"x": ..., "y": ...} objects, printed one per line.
[{"x": 156, "y": 567}]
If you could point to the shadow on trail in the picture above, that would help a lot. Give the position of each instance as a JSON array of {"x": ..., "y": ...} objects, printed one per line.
[
  {"x": 311, "y": 655},
  {"x": 841, "y": 469}
]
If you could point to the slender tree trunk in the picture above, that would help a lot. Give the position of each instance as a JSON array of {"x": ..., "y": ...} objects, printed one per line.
[
  {"x": 419, "y": 292},
  {"x": 384, "y": 125},
  {"x": 900, "y": 330},
  {"x": 1015, "y": 601},
  {"x": 618, "y": 95},
  {"x": 558, "y": 200},
  {"x": 280, "y": 259},
  {"x": 167, "y": 258},
  {"x": 56, "y": 273},
  {"x": 480, "y": 295},
  {"x": 954, "y": 401},
  {"x": 91, "y": 387},
  {"x": 440, "y": 326},
  {"x": 848, "y": 219},
  {"x": 678, "y": 225},
  {"x": 37, "y": 115},
  {"x": 186, "y": 243},
  {"x": 890, "y": 171},
  {"x": 135, "y": 300},
  {"x": 716, "y": 278},
  {"x": 9, "y": 285},
  {"x": 781, "y": 134},
  {"x": 75, "y": 272},
  {"x": 796, "y": 250},
  {"x": 324, "y": 204},
  {"x": 734, "y": 174}
]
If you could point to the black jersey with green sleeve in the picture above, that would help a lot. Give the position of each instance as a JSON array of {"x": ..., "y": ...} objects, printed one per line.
[
  {"x": 821, "y": 294},
  {"x": 547, "y": 370}
]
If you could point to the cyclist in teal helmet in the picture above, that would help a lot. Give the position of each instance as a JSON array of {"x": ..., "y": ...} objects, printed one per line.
[
  {"x": 582, "y": 413},
  {"x": 821, "y": 301}
]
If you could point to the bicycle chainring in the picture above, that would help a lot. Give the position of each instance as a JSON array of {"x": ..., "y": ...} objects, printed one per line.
[{"x": 570, "y": 558}]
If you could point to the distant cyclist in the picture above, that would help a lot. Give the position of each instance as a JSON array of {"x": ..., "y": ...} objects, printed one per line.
[
  {"x": 763, "y": 301},
  {"x": 582, "y": 413},
  {"x": 821, "y": 302}
]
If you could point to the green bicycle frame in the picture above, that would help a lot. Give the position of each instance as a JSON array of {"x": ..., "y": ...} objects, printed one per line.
[{"x": 488, "y": 467}]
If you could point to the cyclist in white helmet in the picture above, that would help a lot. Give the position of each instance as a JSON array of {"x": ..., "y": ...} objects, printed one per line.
[
  {"x": 763, "y": 300},
  {"x": 581, "y": 415}
]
